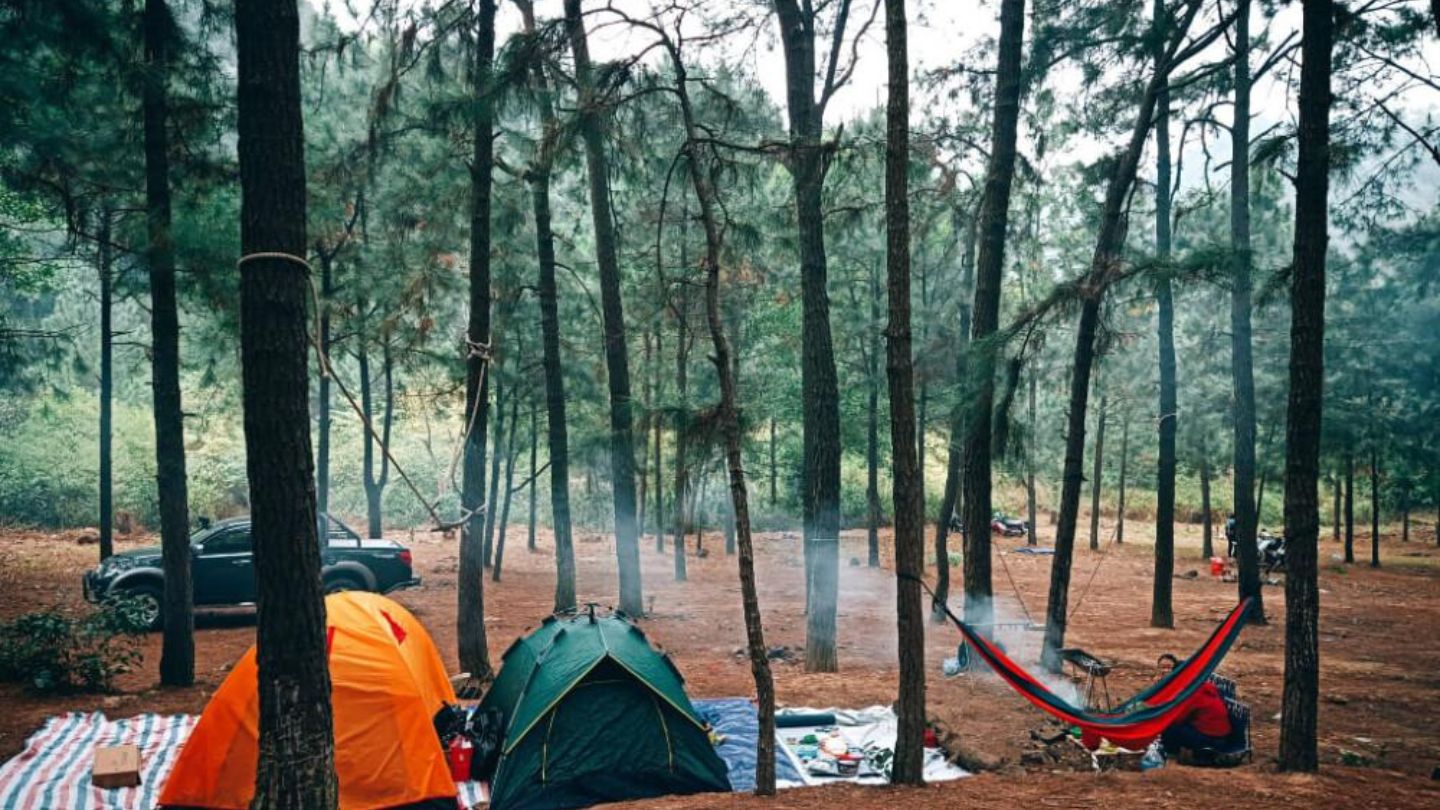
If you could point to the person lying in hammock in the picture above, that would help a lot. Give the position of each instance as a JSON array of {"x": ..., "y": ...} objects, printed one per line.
[{"x": 1204, "y": 722}]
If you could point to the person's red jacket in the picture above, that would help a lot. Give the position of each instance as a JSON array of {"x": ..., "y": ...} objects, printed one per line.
[{"x": 1206, "y": 712}]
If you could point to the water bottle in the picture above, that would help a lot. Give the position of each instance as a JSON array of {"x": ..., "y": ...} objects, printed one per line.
[{"x": 1154, "y": 757}]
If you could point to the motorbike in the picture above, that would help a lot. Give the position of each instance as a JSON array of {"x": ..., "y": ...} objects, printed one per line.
[
  {"x": 999, "y": 525},
  {"x": 1272, "y": 552}
]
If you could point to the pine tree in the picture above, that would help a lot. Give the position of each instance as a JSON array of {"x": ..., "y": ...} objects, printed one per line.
[{"x": 296, "y": 769}]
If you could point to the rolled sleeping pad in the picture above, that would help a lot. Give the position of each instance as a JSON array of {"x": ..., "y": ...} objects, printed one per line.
[{"x": 804, "y": 719}]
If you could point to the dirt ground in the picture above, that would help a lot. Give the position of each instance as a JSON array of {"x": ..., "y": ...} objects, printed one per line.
[{"x": 1380, "y": 742}]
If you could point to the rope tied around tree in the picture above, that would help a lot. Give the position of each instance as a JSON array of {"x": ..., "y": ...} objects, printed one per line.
[{"x": 473, "y": 350}]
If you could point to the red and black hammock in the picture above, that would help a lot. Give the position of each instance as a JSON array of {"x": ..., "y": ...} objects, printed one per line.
[{"x": 1140, "y": 719}]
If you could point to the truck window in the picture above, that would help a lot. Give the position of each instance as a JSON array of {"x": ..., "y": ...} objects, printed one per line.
[{"x": 235, "y": 541}]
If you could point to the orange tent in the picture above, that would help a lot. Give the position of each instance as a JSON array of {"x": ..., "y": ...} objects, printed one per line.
[{"x": 387, "y": 684}]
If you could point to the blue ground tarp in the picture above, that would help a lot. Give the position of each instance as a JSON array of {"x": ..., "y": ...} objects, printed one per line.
[{"x": 737, "y": 721}]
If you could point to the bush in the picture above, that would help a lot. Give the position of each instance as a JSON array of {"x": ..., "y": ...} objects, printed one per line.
[{"x": 53, "y": 653}]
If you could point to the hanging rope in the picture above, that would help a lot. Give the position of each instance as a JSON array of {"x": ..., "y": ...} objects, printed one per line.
[
  {"x": 1114, "y": 530},
  {"x": 327, "y": 371},
  {"x": 1016, "y": 588}
]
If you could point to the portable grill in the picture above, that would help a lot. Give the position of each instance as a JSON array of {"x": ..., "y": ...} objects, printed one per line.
[{"x": 1094, "y": 672}]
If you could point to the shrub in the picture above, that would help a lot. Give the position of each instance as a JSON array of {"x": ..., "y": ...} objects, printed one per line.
[{"x": 53, "y": 653}]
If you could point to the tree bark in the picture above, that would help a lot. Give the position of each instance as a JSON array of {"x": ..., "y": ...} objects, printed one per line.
[
  {"x": 1335, "y": 481},
  {"x": 1103, "y": 266},
  {"x": 617, "y": 363},
  {"x": 872, "y": 427},
  {"x": 1097, "y": 478},
  {"x": 989, "y": 270},
  {"x": 492, "y": 501},
  {"x": 557, "y": 441},
  {"x": 1374, "y": 506},
  {"x": 820, "y": 489},
  {"x": 774, "y": 470},
  {"x": 683, "y": 496},
  {"x": 323, "y": 418},
  {"x": 1207, "y": 542},
  {"x": 470, "y": 618},
  {"x": 296, "y": 741},
  {"x": 955, "y": 453},
  {"x": 177, "y": 651},
  {"x": 107, "y": 384},
  {"x": 908, "y": 766},
  {"x": 510, "y": 453},
  {"x": 533, "y": 485},
  {"x": 1162, "y": 613},
  {"x": 1031, "y": 507},
  {"x": 1241, "y": 351},
  {"x": 660, "y": 528},
  {"x": 1349, "y": 507},
  {"x": 1124, "y": 458},
  {"x": 375, "y": 484},
  {"x": 1299, "y": 706},
  {"x": 730, "y": 432},
  {"x": 1405, "y": 514}
]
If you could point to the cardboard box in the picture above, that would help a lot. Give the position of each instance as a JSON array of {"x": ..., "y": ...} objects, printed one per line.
[{"x": 116, "y": 766}]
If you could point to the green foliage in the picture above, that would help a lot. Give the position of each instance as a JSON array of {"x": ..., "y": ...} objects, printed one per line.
[{"x": 51, "y": 652}]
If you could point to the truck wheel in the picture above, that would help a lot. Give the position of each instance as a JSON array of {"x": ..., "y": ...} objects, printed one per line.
[
  {"x": 341, "y": 583},
  {"x": 150, "y": 600}
]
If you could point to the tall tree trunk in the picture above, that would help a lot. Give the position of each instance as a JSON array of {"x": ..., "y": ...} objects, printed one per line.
[
  {"x": 1162, "y": 612},
  {"x": 1405, "y": 514},
  {"x": 533, "y": 485},
  {"x": 295, "y": 766},
  {"x": 989, "y": 270},
  {"x": 617, "y": 362},
  {"x": 1349, "y": 507},
  {"x": 908, "y": 767},
  {"x": 1301, "y": 696},
  {"x": 1103, "y": 265},
  {"x": 177, "y": 650},
  {"x": 1207, "y": 541},
  {"x": 1124, "y": 458},
  {"x": 322, "y": 447},
  {"x": 1241, "y": 351},
  {"x": 492, "y": 501},
  {"x": 510, "y": 453},
  {"x": 1335, "y": 480},
  {"x": 660, "y": 527},
  {"x": 729, "y": 423},
  {"x": 820, "y": 489},
  {"x": 955, "y": 453},
  {"x": 1031, "y": 508},
  {"x": 107, "y": 383},
  {"x": 1264, "y": 474},
  {"x": 557, "y": 442},
  {"x": 729, "y": 529},
  {"x": 375, "y": 484},
  {"x": 922, "y": 382},
  {"x": 1097, "y": 479},
  {"x": 470, "y": 617},
  {"x": 697, "y": 506},
  {"x": 682, "y": 427},
  {"x": 1374, "y": 506},
  {"x": 774, "y": 470},
  {"x": 872, "y": 427}
]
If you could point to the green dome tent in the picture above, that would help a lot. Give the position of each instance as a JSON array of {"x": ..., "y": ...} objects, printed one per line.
[{"x": 594, "y": 714}]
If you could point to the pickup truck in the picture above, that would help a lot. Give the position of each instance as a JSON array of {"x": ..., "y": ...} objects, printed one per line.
[{"x": 223, "y": 570}]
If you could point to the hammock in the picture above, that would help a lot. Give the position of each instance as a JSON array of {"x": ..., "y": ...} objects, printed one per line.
[{"x": 1140, "y": 719}]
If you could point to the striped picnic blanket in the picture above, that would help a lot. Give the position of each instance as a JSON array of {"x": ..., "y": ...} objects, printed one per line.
[{"x": 53, "y": 772}]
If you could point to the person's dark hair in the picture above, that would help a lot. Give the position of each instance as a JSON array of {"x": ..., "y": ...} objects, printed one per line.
[{"x": 1167, "y": 658}]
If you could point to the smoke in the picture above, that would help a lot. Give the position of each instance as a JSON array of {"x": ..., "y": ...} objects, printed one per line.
[{"x": 1022, "y": 639}]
